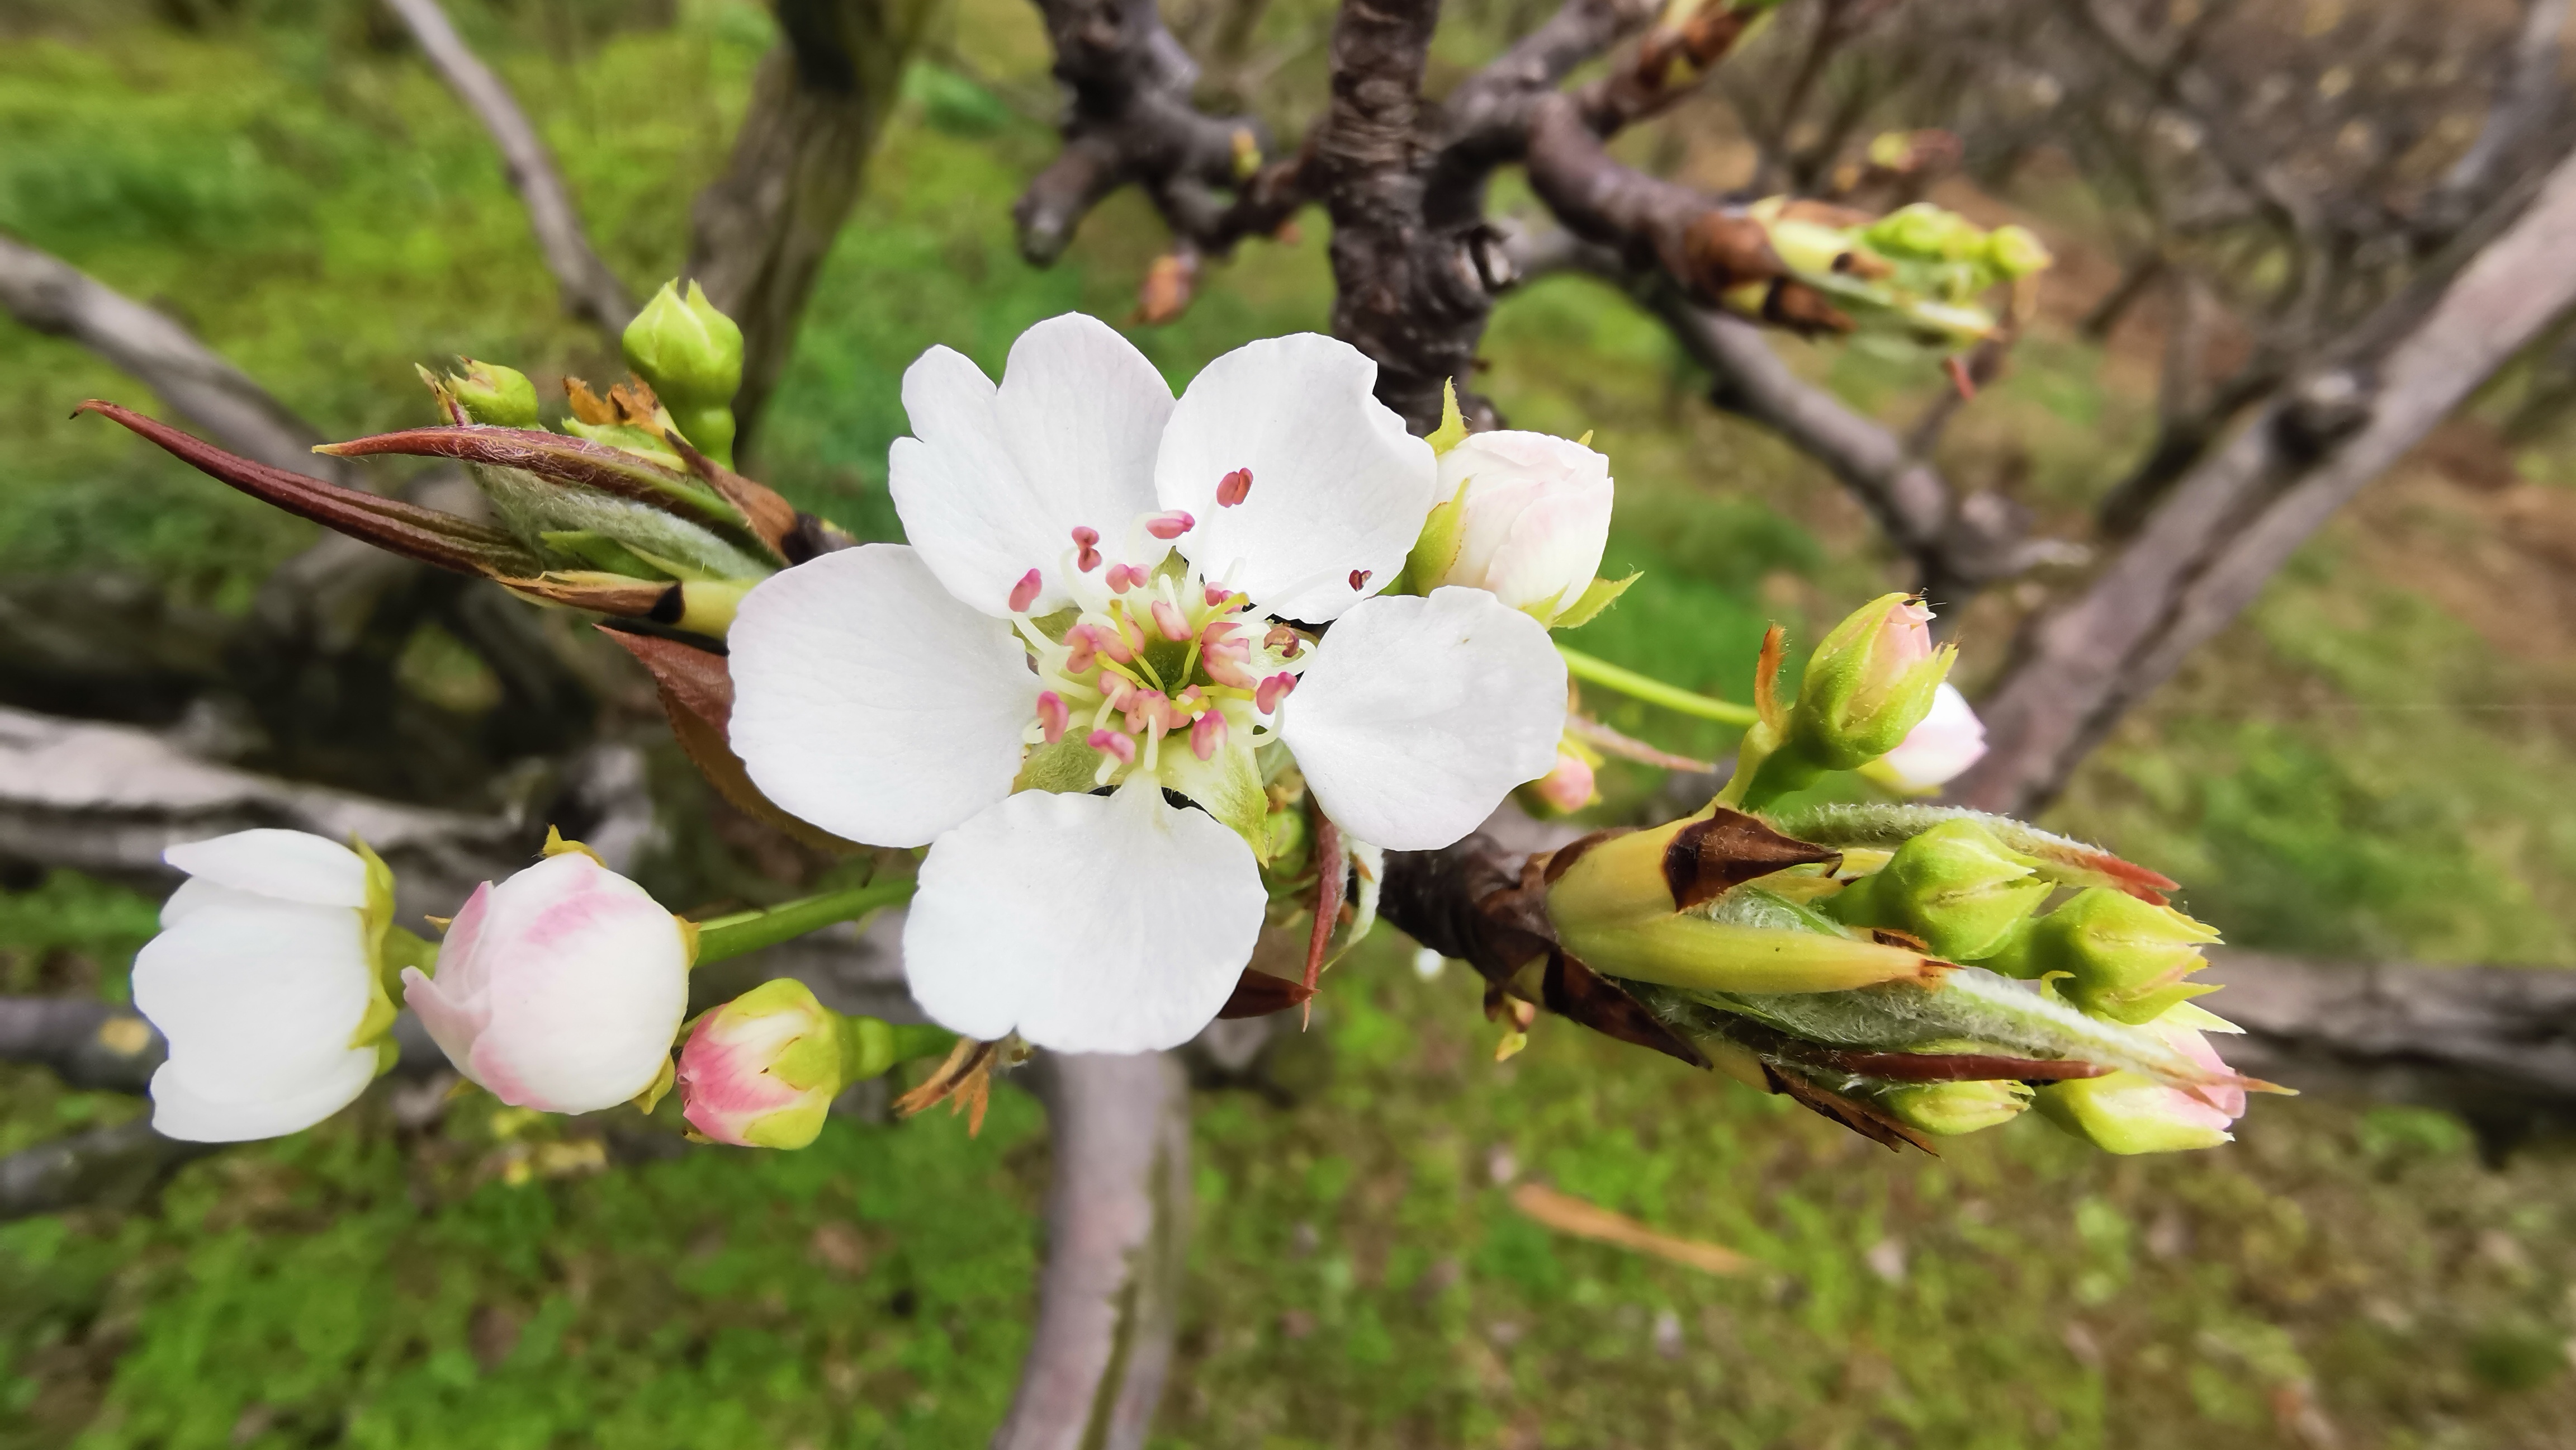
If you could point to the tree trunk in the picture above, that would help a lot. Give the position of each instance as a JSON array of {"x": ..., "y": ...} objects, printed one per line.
[{"x": 760, "y": 232}]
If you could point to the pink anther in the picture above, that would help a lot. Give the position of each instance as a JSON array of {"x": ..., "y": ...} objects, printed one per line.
[
  {"x": 1233, "y": 488},
  {"x": 1025, "y": 593},
  {"x": 1123, "y": 577},
  {"x": 1284, "y": 640},
  {"x": 1124, "y": 747},
  {"x": 1052, "y": 715},
  {"x": 1359, "y": 577},
  {"x": 1207, "y": 737},
  {"x": 1168, "y": 619},
  {"x": 1217, "y": 595},
  {"x": 1120, "y": 690},
  {"x": 1083, "y": 539},
  {"x": 1224, "y": 658},
  {"x": 1266, "y": 698},
  {"x": 1171, "y": 525}
]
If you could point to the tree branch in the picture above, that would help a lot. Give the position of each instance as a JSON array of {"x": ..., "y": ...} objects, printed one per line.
[
  {"x": 759, "y": 232},
  {"x": 106, "y": 1166},
  {"x": 56, "y": 298},
  {"x": 2528, "y": 94},
  {"x": 2207, "y": 552},
  {"x": 1118, "y": 1211},
  {"x": 590, "y": 291}
]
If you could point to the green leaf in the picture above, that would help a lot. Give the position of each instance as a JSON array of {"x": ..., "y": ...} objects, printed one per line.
[{"x": 1598, "y": 596}]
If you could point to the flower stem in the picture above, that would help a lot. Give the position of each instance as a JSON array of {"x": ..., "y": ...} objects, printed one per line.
[
  {"x": 1653, "y": 691},
  {"x": 731, "y": 936}
]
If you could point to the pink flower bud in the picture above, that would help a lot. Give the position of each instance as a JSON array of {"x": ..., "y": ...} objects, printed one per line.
[
  {"x": 559, "y": 989},
  {"x": 1567, "y": 788},
  {"x": 762, "y": 1070}
]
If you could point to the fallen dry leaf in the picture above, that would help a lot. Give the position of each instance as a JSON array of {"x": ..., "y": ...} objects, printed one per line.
[{"x": 1568, "y": 1214}]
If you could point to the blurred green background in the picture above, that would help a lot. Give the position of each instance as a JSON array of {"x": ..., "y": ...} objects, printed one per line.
[{"x": 2376, "y": 762}]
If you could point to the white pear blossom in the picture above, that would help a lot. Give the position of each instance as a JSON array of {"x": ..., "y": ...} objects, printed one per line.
[
  {"x": 1108, "y": 588},
  {"x": 1940, "y": 748},
  {"x": 261, "y": 980},
  {"x": 1535, "y": 519},
  {"x": 561, "y": 989}
]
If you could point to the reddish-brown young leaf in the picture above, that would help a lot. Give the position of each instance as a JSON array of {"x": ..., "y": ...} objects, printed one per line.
[
  {"x": 697, "y": 696},
  {"x": 1258, "y": 994},
  {"x": 1710, "y": 857}
]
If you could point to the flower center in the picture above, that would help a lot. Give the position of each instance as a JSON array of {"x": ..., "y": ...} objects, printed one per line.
[{"x": 1152, "y": 650}]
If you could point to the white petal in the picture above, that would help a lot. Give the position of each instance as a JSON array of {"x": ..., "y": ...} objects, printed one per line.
[
  {"x": 256, "y": 998},
  {"x": 1552, "y": 553},
  {"x": 1338, "y": 486},
  {"x": 993, "y": 481},
  {"x": 197, "y": 1111},
  {"x": 588, "y": 981},
  {"x": 869, "y": 702},
  {"x": 1087, "y": 923},
  {"x": 288, "y": 865},
  {"x": 1419, "y": 714},
  {"x": 1940, "y": 748}
]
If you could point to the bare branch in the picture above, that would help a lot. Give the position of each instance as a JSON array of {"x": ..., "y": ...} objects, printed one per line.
[
  {"x": 54, "y": 297},
  {"x": 760, "y": 231},
  {"x": 2207, "y": 552},
  {"x": 2528, "y": 95},
  {"x": 114, "y": 1166},
  {"x": 1118, "y": 1212},
  {"x": 1485, "y": 120},
  {"x": 590, "y": 291},
  {"x": 101, "y": 1046}
]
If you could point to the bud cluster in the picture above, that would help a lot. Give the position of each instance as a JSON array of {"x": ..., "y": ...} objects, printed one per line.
[{"x": 1920, "y": 272}]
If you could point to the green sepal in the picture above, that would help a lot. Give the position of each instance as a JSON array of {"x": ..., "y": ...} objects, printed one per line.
[
  {"x": 1599, "y": 595},
  {"x": 1952, "y": 1109},
  {"x": 1227, "y": 786},
  {"x": 602, "y": 552},
  {"x": 651, "y": 1097},
  {"x": 2125, "y": 1112},
  {"x": 627, "y": 438},
  {"x": 1065, "y": 768},
  {"x": 1453, "y": 423},
  {"x": 375, "y": 926},
  {"x": 1435, "y": 550}
]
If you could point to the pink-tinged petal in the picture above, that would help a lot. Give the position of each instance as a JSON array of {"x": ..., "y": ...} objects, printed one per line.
[
  {"x": 1085, "y": 923},
  {"x": 588, "y": 983},
  {"x": 1418, "y": 715},
  {"x": 724, "y": 1079},
  {"x": 454, "y": 1020},
  {"x": 994, "y": 479},
  {"x": 870, "y": 703},
  {"x": 284, "y": 865},
  {"x": 1341, "y": 489},
  {"x": 1941, "y": 748}
]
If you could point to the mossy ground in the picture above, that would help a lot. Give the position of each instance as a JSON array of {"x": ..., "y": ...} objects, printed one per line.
[{"x": 2374, "y": 762}]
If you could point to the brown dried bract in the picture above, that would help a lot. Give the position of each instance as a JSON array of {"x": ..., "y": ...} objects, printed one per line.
[{"x": 1713, "y": 856}]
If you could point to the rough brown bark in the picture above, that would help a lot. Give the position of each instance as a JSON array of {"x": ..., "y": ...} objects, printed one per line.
[{"x": 760, "y": 231}]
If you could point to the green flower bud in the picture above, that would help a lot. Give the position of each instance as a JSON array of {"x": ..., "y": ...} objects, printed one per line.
[
  {"x": 1950, "y": 1109},
  {"x": 2124, "y": 1112},
  {"x": 1927, "y": 233},
  {"x": 1868, "y": 685},
  {"x": 1955, "y": 886},
  {"x": 2016, "y": 252},
  {"x": 2125, "y": 959},
  {"x": 692, "y": 356},
  {"x": 485, "y": 393}
]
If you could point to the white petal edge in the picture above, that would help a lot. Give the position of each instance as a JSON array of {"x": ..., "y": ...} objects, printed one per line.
[
  {"x": 1941, "y": 747},
  {"x": 869, "y": 702},
  {"x": 287, "y": 865},
  {"x": 994, "y": 480},
  {"x": 255, "y": 997},
  {"x": 1085, "y": 923},
  {"x": 180, "y": 1109},
  {"x": 1420, "y": 713},
  {"x": 1338, "y": 487}
]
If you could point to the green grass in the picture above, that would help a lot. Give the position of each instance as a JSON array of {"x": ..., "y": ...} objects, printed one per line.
[{"x": 2357, "y": 770}]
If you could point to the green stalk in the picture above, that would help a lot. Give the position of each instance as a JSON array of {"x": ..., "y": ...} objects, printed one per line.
[
  {"x": 1653, "y": 691},
  {"x": 731, "y": 936}
]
